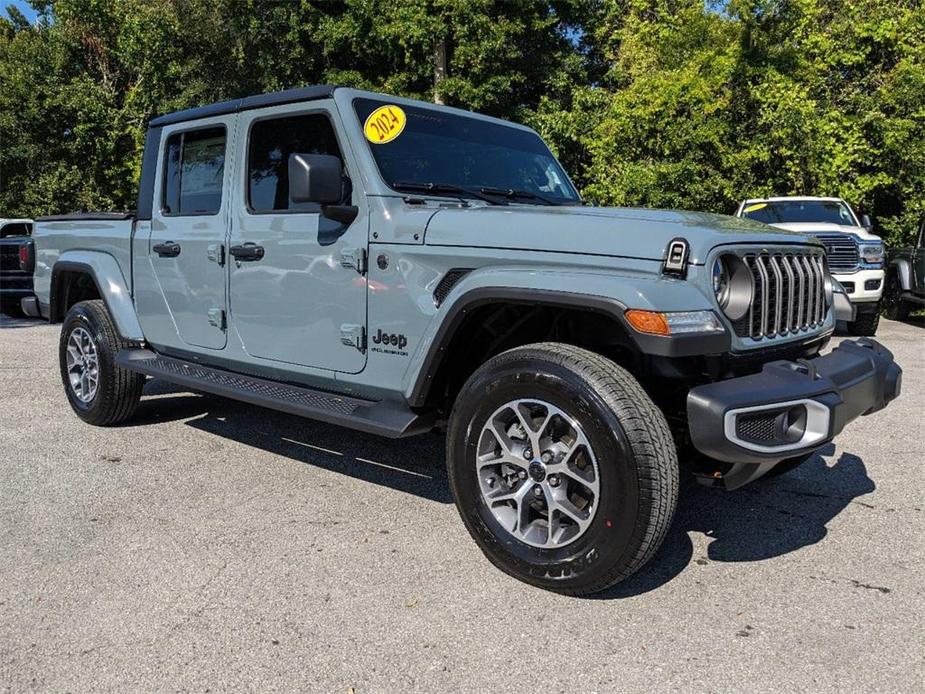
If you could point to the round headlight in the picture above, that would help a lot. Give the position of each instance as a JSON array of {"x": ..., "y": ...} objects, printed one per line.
[
  {"x": 732, "y": 284},
  {"x": 720, "y": 280}
]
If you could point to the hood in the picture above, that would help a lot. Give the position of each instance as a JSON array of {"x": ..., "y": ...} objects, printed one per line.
[
  {"x": 610, "y": 231},
  {"x": 821, "y": 228}
]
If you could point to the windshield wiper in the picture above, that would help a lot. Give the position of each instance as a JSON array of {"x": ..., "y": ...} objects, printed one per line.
[
  {"x": 437, "y": 188},
  {"x": 511, "y": 194}
]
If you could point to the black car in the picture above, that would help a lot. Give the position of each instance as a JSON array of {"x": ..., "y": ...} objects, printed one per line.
[{"x": 905, "y": 280}]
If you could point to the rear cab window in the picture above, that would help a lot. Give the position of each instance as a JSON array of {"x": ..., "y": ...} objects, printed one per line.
[{"x": 15, "y": 229}]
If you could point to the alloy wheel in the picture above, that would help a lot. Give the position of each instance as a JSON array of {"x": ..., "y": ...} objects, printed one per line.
[{"x": 537, "y": 473}]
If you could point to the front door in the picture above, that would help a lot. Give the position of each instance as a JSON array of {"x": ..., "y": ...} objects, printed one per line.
[
  {"x": 188, "y": 230},
  {"x": 298, "y": 286}
]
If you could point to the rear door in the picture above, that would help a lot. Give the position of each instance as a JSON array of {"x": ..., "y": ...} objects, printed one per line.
[
  {"x": 301, "y": 298},
  {"x": 189, "y": 226}
]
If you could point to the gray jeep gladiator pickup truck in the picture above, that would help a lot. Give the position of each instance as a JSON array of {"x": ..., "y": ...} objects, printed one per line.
[{"x": 397, "y": 266}]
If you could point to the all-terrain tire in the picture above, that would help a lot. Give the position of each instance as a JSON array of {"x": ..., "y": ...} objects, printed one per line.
[
  {"x": 630, "y": 439},
  {"x": 118, "y": 391},
  {"x": 866, "y": 322}
]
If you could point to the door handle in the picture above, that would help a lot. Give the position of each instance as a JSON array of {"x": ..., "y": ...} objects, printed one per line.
[
  {"x": 247, "y": 251},
  {"x": 167, "y": 250}
]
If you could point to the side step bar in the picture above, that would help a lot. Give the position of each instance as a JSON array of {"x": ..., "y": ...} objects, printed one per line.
[{"x": 384, "y": 418}]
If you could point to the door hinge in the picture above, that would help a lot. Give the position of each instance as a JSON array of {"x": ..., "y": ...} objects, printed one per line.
[
  {"x": 217, "y": 318},
  {"x": 353, "y": 335},
  {"x": 354, "y": 258},
  {"x": 216, "y": 253}
]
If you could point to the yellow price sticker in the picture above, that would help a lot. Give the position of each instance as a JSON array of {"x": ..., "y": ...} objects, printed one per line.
[
  {"x": 384, "y": 124},
  {"x": 755, "y": 207}
]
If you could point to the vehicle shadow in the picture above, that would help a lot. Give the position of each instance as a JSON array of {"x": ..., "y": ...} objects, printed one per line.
[
  {"x": 768, "y": 518},
  {"x": 414, "y": 465},
  {"x": 9, "y": 322}
]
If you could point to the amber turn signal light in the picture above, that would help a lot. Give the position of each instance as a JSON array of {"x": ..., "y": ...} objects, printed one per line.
[{"x": 651, "y": 322}]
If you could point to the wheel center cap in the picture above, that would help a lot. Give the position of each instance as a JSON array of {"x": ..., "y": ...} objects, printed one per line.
[{"x": 537, "y": 471}]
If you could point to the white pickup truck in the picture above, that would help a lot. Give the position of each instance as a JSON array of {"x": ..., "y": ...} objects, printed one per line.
[{"x": 853, "y": 252}]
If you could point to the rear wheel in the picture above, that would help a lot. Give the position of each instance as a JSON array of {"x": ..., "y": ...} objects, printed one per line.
[
  {"x": 562, "y": 468},
  {"x": 894, "y": 307},
  {"x": 866, "y": 321},
  {"x": 99, "y": 392}
]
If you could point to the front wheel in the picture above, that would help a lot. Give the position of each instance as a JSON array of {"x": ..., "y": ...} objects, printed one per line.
[
  {"x": 563, "y": 469},
  {"x": 99, "y": 391}
]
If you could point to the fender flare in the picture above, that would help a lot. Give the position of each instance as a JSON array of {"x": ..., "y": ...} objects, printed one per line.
[
  {"x": 675, "y": 346},
  {"x": 903, "y": 272},
  {"x": 106, "y": 274}
]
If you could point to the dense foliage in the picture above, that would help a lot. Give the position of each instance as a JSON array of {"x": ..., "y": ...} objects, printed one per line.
[{"x": 669, "y": 103}]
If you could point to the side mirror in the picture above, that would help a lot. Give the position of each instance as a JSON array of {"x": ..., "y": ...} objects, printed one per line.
[
  {"x": 867, "y": 223},
  {"x": 315, "y": 178}
]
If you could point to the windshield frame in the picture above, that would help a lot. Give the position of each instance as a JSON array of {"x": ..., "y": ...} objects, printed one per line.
[
  {"x": 785, "y": 201},
  {"x": 382, "y": 100}
]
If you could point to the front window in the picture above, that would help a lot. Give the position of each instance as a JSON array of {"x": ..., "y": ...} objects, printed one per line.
[
  {"x": 447, "y": 151},
  {"x": 801, "y": 211},
  {"x": 272, "y": 142}
]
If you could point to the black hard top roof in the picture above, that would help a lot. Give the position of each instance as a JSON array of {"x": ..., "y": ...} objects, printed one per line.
[{"x": 289, "y": 96}]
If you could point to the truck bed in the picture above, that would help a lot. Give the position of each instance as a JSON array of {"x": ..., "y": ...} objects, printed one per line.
[{"x": 98, "y": 232}]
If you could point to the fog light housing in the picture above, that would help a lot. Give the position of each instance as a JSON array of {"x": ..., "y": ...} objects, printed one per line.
[{"x": 871, "y": 285}]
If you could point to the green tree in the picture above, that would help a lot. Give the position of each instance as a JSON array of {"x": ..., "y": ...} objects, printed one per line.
[{"x": 699, "y": 108}]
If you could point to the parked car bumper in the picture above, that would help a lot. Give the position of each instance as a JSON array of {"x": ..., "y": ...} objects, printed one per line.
[
  {"x": 13, "y": 292},
  {"x": 863, "y": 286},
  {"x": 790, "y": 409}
]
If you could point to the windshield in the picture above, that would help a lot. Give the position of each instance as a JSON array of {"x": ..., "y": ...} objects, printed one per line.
[
  {"x": 797, "y": 211},
  {"x": 449, "y": 151}
]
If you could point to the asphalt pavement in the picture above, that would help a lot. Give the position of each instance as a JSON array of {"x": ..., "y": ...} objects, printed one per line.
[{"x": 214, "y": 546}]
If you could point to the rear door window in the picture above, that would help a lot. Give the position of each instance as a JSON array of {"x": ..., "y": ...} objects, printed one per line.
[{"x": 194, "y": 169}]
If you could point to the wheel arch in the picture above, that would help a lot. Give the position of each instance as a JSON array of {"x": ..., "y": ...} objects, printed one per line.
[
  {"x": 903, "y": 271},
  {"x": 594, "y": 321},
  {"x": 82, "y": 275},
  {"x": 467, "y": 310}
]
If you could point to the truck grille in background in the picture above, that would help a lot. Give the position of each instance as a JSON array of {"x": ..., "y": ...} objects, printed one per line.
[
  {"x": 789, "y": 294},
  {"x": 840, "y": 250}
]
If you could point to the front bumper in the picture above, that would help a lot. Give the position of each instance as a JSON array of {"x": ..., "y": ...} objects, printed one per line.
[
  {"x": 858, "y": 281},
  {"x": 791, "y": 408}
]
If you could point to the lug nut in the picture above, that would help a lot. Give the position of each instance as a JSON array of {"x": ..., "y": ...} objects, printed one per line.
[
  {"x": 547, "y": 456},
  {"x": 538, "y": 491},
  {"x": 554, "y": 480},
  {"x": 522, "y": 474},
  {"x": 528, "y": 453}
]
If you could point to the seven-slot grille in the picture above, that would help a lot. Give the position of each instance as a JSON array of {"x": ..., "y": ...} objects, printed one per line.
[
  {"x": 789, "y": 294},
  {"x": 841, "y": 251}
]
